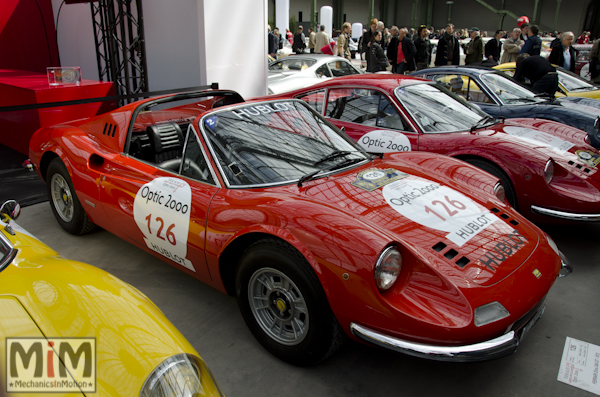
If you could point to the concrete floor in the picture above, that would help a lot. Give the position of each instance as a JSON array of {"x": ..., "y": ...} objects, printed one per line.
[{"x": 212, "y": 323}]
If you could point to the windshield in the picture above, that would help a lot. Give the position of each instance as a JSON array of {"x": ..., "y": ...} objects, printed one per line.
[
  {"x": 276, "y": 142},
  {"x": 507, "y": 90},
  {"x": 572, "y": 82},
  {"x": 436, "y": 109},
  {"x": 292, "y": 63}
]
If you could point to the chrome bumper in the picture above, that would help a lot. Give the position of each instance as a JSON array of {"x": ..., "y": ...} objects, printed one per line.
[
  {"x": 565, "y": 215},
  {"x": 497, "y": 347}
]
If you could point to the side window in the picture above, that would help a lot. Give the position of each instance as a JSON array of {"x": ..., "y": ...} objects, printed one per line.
[
  {"x": 453, "y": 82},
  {"x": 341, "y": 68},
  {"x": 354, "y": 105},
  {"x": 388, "y": 116},
  {"x": 323, "y": 70},
  {"x": 476, "y": 94},
  {"x": 194, "y": 163},
  {"x": 314, "y": 100}
]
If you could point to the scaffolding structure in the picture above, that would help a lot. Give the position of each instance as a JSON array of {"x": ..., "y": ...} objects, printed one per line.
[{"x": 120, "y": 45}]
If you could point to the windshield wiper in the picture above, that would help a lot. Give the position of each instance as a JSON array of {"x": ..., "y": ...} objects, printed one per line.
[
  {"x": 332, "y": 155},
  {"x": 482, "y": 122},
  {"x": 308, "y": 176}
]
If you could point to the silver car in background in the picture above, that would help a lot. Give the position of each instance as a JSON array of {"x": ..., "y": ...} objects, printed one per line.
[{"x": 303, "y": 70}]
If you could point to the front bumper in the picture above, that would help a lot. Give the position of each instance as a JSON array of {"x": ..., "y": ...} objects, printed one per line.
[
  {"x": 487, "y": 350},
  {"x": 565, "y": 215}
]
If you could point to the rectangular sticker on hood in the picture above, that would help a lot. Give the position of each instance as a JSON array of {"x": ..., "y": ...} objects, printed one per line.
[
  {"x": 539, "y": 138},
  {"x": 372, "y": 179}
]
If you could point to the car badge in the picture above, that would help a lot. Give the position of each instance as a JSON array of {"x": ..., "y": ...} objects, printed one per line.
[
  {"x": 589, "y": 158},
  {"x": 537, "y": 273},
  {"x": 372, "y": 179}
]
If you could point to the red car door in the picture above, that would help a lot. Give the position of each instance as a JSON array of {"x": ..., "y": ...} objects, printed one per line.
[{"x": 162, "y": 206}]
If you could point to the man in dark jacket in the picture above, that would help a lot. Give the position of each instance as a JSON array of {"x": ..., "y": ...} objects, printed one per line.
[
  {"x": 474, "y": 48},
  {"x": 405, "y": 55},
  {"x": 494, "y": 47},
  {"x": 448, "y": 48},
  {"x": 563, "y": 54},
  {"x": 533, "y": 45},
  {"x": 423, "y": 46},
  {"x": 272, "y": 43},
  {"x": 366, "y": 42},
  {"x": 392, "y": 50},
  {"x": 539, "y": 71},
  {"x": 299, "y": 38}
]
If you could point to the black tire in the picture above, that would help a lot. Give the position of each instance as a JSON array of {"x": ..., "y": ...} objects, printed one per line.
[
  {"x": 65, "y": 205},
  {"x": 322, "y": 334},
  {"x": 493, "y": 169}
]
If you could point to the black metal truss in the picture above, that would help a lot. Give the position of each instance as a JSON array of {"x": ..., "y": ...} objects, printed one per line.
[{"x": 120, "y": 44}]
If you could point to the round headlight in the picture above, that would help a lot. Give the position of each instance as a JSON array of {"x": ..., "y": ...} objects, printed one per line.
[
  {"x": 549, "y": 171},
  {"x": 388, "y": 268},
  {"x": 181, "y": 375},
  {"x": 500, "y": 192}
]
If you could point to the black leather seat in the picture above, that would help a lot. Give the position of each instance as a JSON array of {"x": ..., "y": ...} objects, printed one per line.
[{"x": 166, "y": 141}]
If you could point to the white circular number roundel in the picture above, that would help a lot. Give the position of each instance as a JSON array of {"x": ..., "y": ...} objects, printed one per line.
[
  {"x": 438, "y": 207},
  {"x": 384, "y": 141},
  {"x": 161, "y": 210}
]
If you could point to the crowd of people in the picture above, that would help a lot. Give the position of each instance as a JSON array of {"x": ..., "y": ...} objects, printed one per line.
[{"x": 403, "y": 50}]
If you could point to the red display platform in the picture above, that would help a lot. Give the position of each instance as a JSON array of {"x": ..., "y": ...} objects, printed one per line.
[{"x": 18, "y": 87}]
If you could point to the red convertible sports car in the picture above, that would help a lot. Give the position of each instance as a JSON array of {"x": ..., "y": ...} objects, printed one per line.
[
  {"x": 268, "y": 201},
  {"x": 549, "y": 170}
]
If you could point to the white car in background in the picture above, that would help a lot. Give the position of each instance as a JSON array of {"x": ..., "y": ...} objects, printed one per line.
[{"x": 303, "y": 70}]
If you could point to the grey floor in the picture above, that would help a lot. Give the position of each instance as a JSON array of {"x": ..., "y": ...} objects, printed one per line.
[{"x": 211, "y": 322}]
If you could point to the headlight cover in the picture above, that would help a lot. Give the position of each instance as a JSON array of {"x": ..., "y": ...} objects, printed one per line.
[
  {"x": 489, "y": 313},
  {"x": 500, "y": 192},
  {"x": 181, "y": 375},
  {"x": 549, "y": 171},
  {"x": 388, "y": 268}
]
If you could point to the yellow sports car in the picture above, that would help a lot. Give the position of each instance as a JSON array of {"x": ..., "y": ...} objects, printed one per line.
[
  {"x": 73, "y": 329},
  {"x": 569, "y": 83}
]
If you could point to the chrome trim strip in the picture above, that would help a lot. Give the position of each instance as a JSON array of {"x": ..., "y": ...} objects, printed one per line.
[
  {"x": 496, "y": 347},
  {"x": 565, "y": 215},
  {"x": 10, "y": 255}
]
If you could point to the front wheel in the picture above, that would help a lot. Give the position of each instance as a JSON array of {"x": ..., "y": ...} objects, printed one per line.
[
  {"x": 64, "y": 202},
  {"x": 284, "y": 305}
]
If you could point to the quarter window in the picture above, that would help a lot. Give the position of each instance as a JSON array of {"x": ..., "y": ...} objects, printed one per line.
[
  {"x": 366, "y": 107},
  {"x": 314, "y": 100}
]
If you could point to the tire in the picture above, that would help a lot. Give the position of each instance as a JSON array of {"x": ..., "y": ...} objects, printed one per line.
[
  {"x": 493, "y": 169},
  {"x": 64, "y": 202},
  {"x": 290, "y": 317}
]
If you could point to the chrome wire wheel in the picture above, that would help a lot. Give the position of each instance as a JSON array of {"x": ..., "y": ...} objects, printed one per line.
[
  {"x": 62, "y": 198},
  {"x": 278, "y": 306}
]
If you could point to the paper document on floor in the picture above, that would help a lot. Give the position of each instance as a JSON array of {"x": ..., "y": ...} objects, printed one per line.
[{"x": 580, "y": 364}]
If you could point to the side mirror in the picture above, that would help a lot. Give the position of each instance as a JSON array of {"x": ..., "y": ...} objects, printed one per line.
[
  {"x": 343, "y": 129},
  {"x": 11, "y": 208}
]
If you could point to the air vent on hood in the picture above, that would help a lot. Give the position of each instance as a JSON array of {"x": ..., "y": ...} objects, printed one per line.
[
  {"x": 462, "y": 262},
  {"x": 495, "y": 210},
  {"x": 439, "y": 246},
  {"x": 109, "y": 130},
  {"x": 579, "y": 167},
  {"x": 451, "y": 254}
]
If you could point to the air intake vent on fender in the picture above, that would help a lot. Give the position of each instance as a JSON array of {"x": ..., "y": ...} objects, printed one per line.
[{"x": 109, "y": 130}]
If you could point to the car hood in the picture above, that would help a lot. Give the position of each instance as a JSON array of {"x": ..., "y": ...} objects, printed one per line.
[
  {"x": 545, "y": 139},
  {"x": 53, "y": 297},
  {"x": 587, "y": 105},
  {"x": 465, "y": 235}
]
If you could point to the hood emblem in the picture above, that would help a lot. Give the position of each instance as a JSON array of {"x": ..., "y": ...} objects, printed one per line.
[{"x": 372, "y": 179}]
